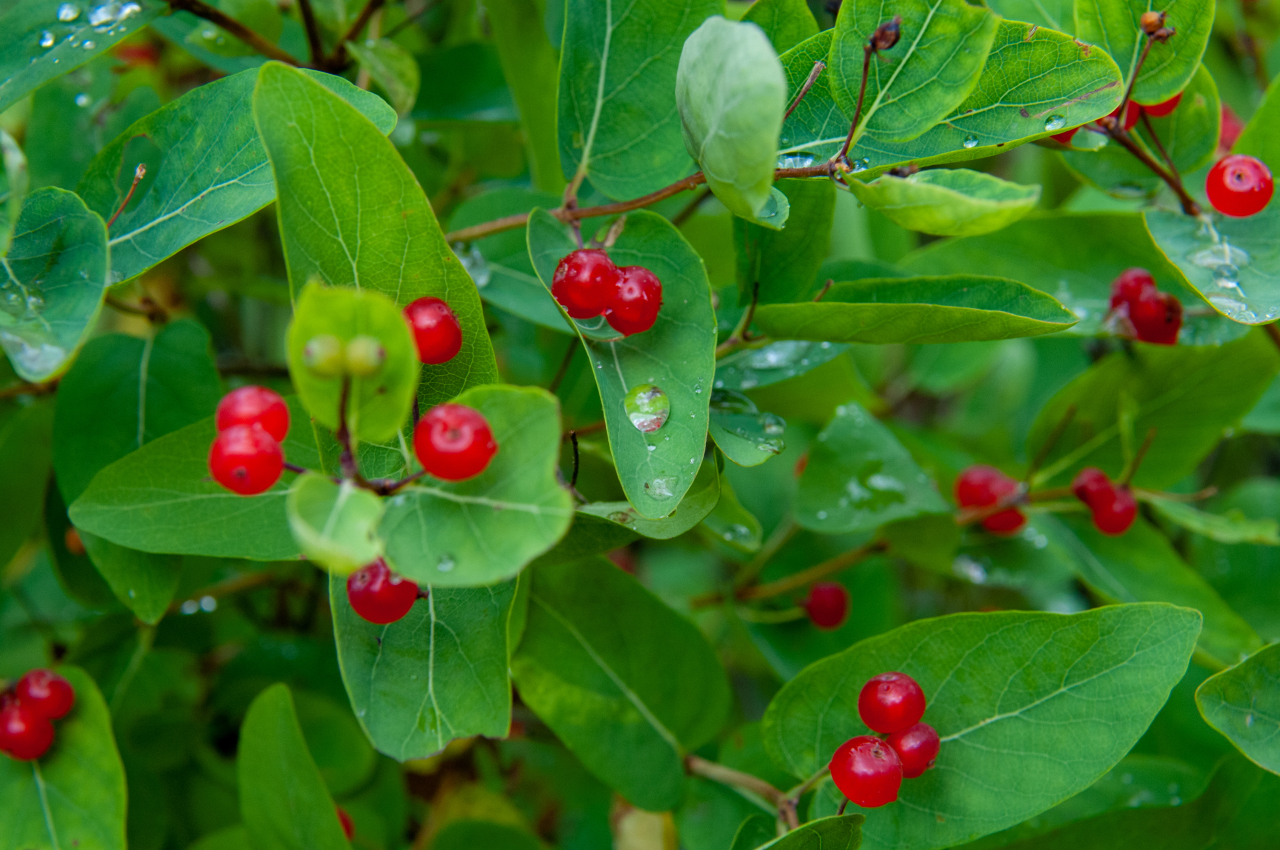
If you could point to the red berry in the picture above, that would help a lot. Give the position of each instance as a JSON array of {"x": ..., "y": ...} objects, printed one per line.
[
  {"x": 246, "y": 460},
  {"x": 1091, "y": 484},
  {"x": 916, "y": 747},
  {"x": 1132, "y": 113},
  {"x": 827, "y": 605},
  {"x": 635, "y": 308},
  {"x": 47, "y": 693},
  {"x": 348, "y": 825},
  {"x": 1239, "y": 185},
  {"x": 585, "y": 283},
  {"x": 867, "y": 771},
  {"x": 453, "y": 442},
  {"x": 435, "y": 330},
  {"x": 1232, "y": 127},
  {"x": 254, "y": 406},
  {"x": 982, "y": 486},
  {"x": 25, "y": 733},
  {"x": 891, "y": 702},
  {"x": 1064, "y": 138},
  {"x": 1129, "y": 285},
  {"x": 379, "y": 595},
  {"x": 1159, "y": 110},
  {"x": 1114, "y": 514},
  {"x": 1156, "y": 317}
]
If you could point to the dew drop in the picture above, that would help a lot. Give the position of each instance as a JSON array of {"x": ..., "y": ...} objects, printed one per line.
[
  {"x": 127, "y": 11},
  {"x": 68, "y": 12},
  {"x": 104, "y": 15},
  {"x": 46, "y": 39},
  {"x": 1054, "y": 123},
  {"x": 822, "y": 514},
  {"x": 660, "y": 488},
  {"x": 647, "y": 407},
  {"x": 190, "y": 607},
  {"x": 445, "y": 564},
  {"x": 83, "y": 100},
  {"x": 970, "y": 141},
  {"x": 474, "y": 262},
  {"x": 89, "y": 44},
  {"x": 1248, "y": 719}
]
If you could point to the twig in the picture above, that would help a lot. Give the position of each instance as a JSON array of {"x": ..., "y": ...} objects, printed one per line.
[
  {"x": 215, "y": 16},
  {"x": 1164, "y": 154},
  {"x": 350, "y": 468},
  {"x": 843, "y": 156},
  {"x": 585, "y": 429},
  {"x": 742, "y": 333},
  {"x": 138, "y": 174},
  {"x": 339, "y": 58},
  {"x": 573, "y": 479},
  {"x": 778, "y": 538},
  {"x": 1054, "y": 437},
  {"x": 818, "y": 68},
  {"x": 29, "y": 389},
  {"x": 690, "y": 208},
  {"x": 1132, "y": 468},
  {"x": 1198, "y": 496},
  {"x": 1115, "y": 130},
  {"x": 564, "y": 366},
  {"x": 699, "y": 766},
  {"x": 293, "y": 467},
  {"x": 797, "y": 580},
  {"x": 314, "y": 43},
  {"x": 826, "y": 287},
  {"x": 407, "y": 22}
]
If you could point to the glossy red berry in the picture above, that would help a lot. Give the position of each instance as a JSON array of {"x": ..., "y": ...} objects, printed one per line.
[
  {"x": 254, "y": 406},
  {"x": 379, "y": 595},
  {"x": 916, "y": 747},
  {"x": 827, "y": 605},
  {"x": 246, "y": 460},
  {"x": 1129, "y": 285},
  {"x": 1091, "y": 484},
  {"x": 982, "y": 486},
  {"x": 1239, "y": 185},
  {"x": 1065, "y": 137},
  {"x": 1164, "y": 107},
  {"x": 891, "y": 702},
  {"x": 453, "y": 442},
  {"x": 436, "y": 331},
  {"x": 25, "y": 733},
  {"x": 635, "y": 308},
  {"x": 1114, "y": 512},
  {"x": 348, "y": 825},
  {"x": 1156, "y": 317},
  {"x": 47, "y": 693},
  {"x": 867, "y": 771},
  {"x": 585, "y": 283}
]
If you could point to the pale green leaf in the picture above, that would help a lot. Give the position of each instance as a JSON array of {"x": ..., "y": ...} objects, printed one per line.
[
  {"x": 14, "y": 189},
  {"x": 1231, "y": 527},
  {"x": 785, "y": 22},
  {"x": 335, "y": 525},
  {"x": 701, "y": 499},
  {"x": 1243, "y": 703},
  {"x": 747, "y": 436},
  {"x": 391, "y": 67},
  {"x": 948, "y": 201}
]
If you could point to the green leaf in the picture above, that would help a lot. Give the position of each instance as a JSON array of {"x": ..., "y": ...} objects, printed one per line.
[
  {"x": 38, "y": 44},
  {"x": 778, "y": 361},
  {"x": 956, "y": 308},
  {"x": 998, "y": 683},
  {"x": 625, "y": 682},
  {"x": 832, "y": 833},
  {"x": 14, "y": 189},
  {"x": 1113, "y": 26},
  {"x": 919, "y": 81},
  {"x": 745, "y": 435},
  {"x": 948, "y": 201},
  {"x": 335, "y": 525},
  {"x": 1259, "y": 135},
  {"x": 377, "y": 405},
  {"x": 859, "y": 477},
  {"x": 785, "y": 22},
  {"x": 696, "y": 505},
  {"x": 1243, "y": 703},
  {"x": 1055, "y": 14},
  {"x": 729, "y": 522},
  {"x": 618, "y": 122},
  {"x": 144, "y": 581},
  {"x": 1232, "y": 527},
  {"x": 435, "y": 676},
  {"x": 344, "y": 758},
  {"x": 363, "y": 220},
  {"x": 677, "y": 355},
  {"x": 25, "y": 450},
  {"x": 75, "y": 795},
  {"x": 55, "y": 275},
  {"x": 206, "y": 169},
  {"x": 391, "y": 67},
  {"x": 725, "y": 66},
  {"x": 260, "y": 16},
  {"x": 485, "y": 529},
  {"x": 1245, "y": 574},
  {"x": 785, "y": 262},
  {"x": 282, "y": 798}
]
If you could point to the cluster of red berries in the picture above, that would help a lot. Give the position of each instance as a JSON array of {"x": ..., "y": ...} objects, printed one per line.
[
  {"x": 1142, "y": 311},
  {"x": 246, "y": 457},
  {"x": 379, "y": 595},
  {"x": 827, "y": 605},
  {"x": 985, "y": 486},
  {"x": 869, "y": 770},
  {"x": 587, "y": 283},
  {"x": 1112, "y": 505},
  {"x": 1132, "y": 112},
  {"x": 27, "y": 712}
]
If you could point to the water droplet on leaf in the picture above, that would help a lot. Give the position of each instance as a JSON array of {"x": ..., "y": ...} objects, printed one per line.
[
  {"x": 970, "y": 141},
  {"x": 1054, "y": 123},
  {"x": 647, "y": 407},
  {"x": 46, "y": 39},
  {"x": 68, "y": 12}
]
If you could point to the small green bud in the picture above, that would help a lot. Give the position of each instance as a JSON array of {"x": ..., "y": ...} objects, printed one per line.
[
  {"x": 365, "y": 355},
  {"x": 323, "y": 356}
]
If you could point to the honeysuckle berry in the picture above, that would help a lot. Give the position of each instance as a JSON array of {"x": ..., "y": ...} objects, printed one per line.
[
  {"x": 436, "y": 331},
  {"x": 585, "y": 283},
  {"x": 379, "y": 595},
  {"x": 365, "y": 356},
  {"x": 867, "y": 771},
  {"x": 917, "y": 748},
  {"x": 453, "y": 442},
  {"x": 1089, "y": 484},
  {"x": 1115, "y": 511},
  {"x": 1232, "y": 127},
  {"x": 246, "y": 460},
  {"x": 1239, "y": 185},
  {"x": 348, "y": 825},
  {"x": 827, "y": 605},
  {"x": 635, "y": 307},
  {"x": 1065, "y": 137},
  {"x": 1149, "y": 315},
  {"x": 325, "y": 356},
  {"x": 254, "y": 406},
  {"x": 1164, "y": 107},
  {"x": 1129, "y": 285},
  {"x": 46, "y": 693},
  {"x": 983, "y": 486},
  {"x": 25, "y": 733},
  {"x": 891, "y": 702}
]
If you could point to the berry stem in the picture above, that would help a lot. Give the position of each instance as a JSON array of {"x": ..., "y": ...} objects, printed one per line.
[
  {"x": 795, "y": 581},
  {"x": 842, "y": 158},
  {"x": 293, "y": 467},
  {"x": 564, "y": 366},
  {"x": 1131, "y": 468},
  {"x": 1054, "y": 437},
  {"x": 1133, "y": 79},
  {"x": 690, "y": 208},
  {"x": 818, "y": 68},
  {"x": 138, "y": 174},
  {"x": 573, "y": 479},
  {"x": 698, "y": 766},
  {"x": 1115, "y": 130},
  {"x": 778, "y": 538},
  {"x": 339, "y": 60},
  {"x": 201, "y": 9},
  {"x": 1164, "y": 154},
  {"x": 350, "y": 468},
  {"x": 742, "y": 333}
]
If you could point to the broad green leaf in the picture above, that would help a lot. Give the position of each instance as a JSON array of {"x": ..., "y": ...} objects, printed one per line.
[
  {"x": 956, "y": 308},
  {"x": 282, "y": 798},
  {"x": 785, "y": 262},
  {"x": 530, "y": 65},
  {"x": 391, "y": 67},
  {"x": 701, "y": 499},
  {"x": 831, "y": 833},
  {"x": 747, "y": 436},
  {"x": 948, "y": 201},
  {"x": 144, "y": 581},
  {"x": 75, "y": 795},
  {"x": 335, "y": 525},
  {"x": 729, "y": 522},
  {"x": 859, "y": 477},
  {"x": 25, "y": 454},
  {"x": 344, "y": 758},
  {"x": 206, "y": 169},
  {"x": 378, "y": 405},
  {"x": 467, "y": 84},
  {"x": 1232, "y": 527},
  {"x": 1055, "y": 14},
  {"x": 625, "y": 682},
  {"x": 919, "y": 81},
  {"x": 43, "y": 39},
  {"x": 485, "y": 529},
  {"x": 773, "y": 363},
  {"x": 1259, "y": 135},
  {"x": 161, "y": 499},
  {"x": 14, "y": 189},
  {"x": 786, "y": 22},
  {"x": 437, "y": 675},
  {"x": 1188, "y": 395},
  {"x": 1243, "y": 703},
  {"x": 1244, "y": 574},
  {"x": 1009, "y": 693},
  {"x": 1113, "y": 26},
  {"x": 55, "y": 276},
  {"x": 756, "y": 831},
  {"x": 731, "y": 92},
  {"x": 618, "y": 123},
  {"x": 362, "y": 220},
  {"x": 677, "y": 355}
]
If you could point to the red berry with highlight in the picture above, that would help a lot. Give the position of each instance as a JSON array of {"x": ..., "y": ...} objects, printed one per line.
[
  {"x": 1239, "y": 185},
  {"x": 867, "y": 771},
  {"x": 585, "y": 283},
  {"x": 254, "y": 406},
  {"x": 453, "y": 442},
  {"x": 891, "y": 702},
  {"x": 1156, "y": 317},
  {"x": 1091, "y": 484},
  {"x": 635, "y": 308},
  {"x": 827, "y": 605},
  {"x": 348, "y": 825},
  {"x": 379, "y": 595},
  {"x": 1159, "y": 110},
  {"x": 47, "y": 693},
  {"x": 246, "y": 460},
  {"x": 436, "y": 331},
  {"x": 916, "y": 747},
  {"x": 982, "y": 486},
  {"x": 1114, "y": 512},
  {"x": 25, "y": 733}
]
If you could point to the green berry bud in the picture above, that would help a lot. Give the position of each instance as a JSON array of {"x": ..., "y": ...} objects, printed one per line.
[
  {"x": 323, "y": 356},
  {"x": 365, "y": 355}
]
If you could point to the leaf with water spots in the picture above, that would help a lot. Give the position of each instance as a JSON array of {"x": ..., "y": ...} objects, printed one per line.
[
  {"x": 1113, "y": 26},
  {"x": 1243, "y": 703}
]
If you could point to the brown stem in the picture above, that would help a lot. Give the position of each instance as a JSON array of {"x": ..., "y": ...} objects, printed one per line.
[
  {"x": 573, "y": 479},
  {"x": 585, "y": 429},
  {"x": 1128, "y": 92},
  {"x": 1274, "y": 333},
  {"x": 843, "y": 156},
  {"x": 201, "y": 9},
  {"x": 826, "y": 287},
  {"x": 564, "y": 366},
  {"x": 690, "y": 208},
  {"x": 797, "y": 580},
  {"x": 818, "y": 68},
  {"x": 1164, "y": 154},
  {"x": 138, "y": 174},
  {"x": 1116, "y": 131},
  {"x": 29, "y": 389},
  {"x": 387, "y": 488},
  {"x": 699, "y": 766},
  {"x": 293, "y": 467},
  {"x": 742, "y": 333},
  {"x": 314, "y": 43},
  {"x": 1132, "y": 468},
  {"x": 339, "y": 58},
  {"x": 148, "y": 309},
  {"x": 350, "y": 468}
]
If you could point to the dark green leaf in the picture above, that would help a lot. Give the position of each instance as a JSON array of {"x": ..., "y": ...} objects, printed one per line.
[
  {"x": 25, "y": 453},
  {"x": 831, "y": 833},
  {"x": 1246, "y": 575},
  {"x": 747, "y": 436},
  {"x": 391, "y": 67},
  {"x": 1113, "y": 26},
  {"x": 344, "y": 758},
  {"x": 531, "y": 66},
  {"x": 948, "y": 201},
  {"x": 785, "y": 262},
  {"x": 1243, "y": 703},
  {"x": 13, "y": 191},
  {"x": 786, "y": 22},
  {"x": 773, "y": 363},
  {"x": 144, "y": 581}
]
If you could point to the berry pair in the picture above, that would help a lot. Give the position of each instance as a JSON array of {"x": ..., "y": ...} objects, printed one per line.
[
  {"x": 984, "y": 486},
  {"x": 1133, "y": 111},
  {"x": 379, "y": 595},
  {"x": 869, "y": 770},
  {"x": 246, "y": 456},
  {"x": 453, "y": 442},
  {"x": 587, "y": 283},
  {"x": 27, "y": 712},
  {"x": 329, "y": 357},
  {"x": 1239, "y": 185},
  {"x": 1141, "y": 311},
  {"x": 1112, "y": 505}
]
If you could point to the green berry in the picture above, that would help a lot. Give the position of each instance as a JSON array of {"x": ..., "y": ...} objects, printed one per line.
[
  {"x": 365, "y": 355},
  {"x": 323, "y": 356}
]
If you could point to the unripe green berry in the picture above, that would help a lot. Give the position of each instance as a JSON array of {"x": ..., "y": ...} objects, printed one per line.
[
  {"x": 323, "y": 356},
  {"x": 365, "y": 355}
]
